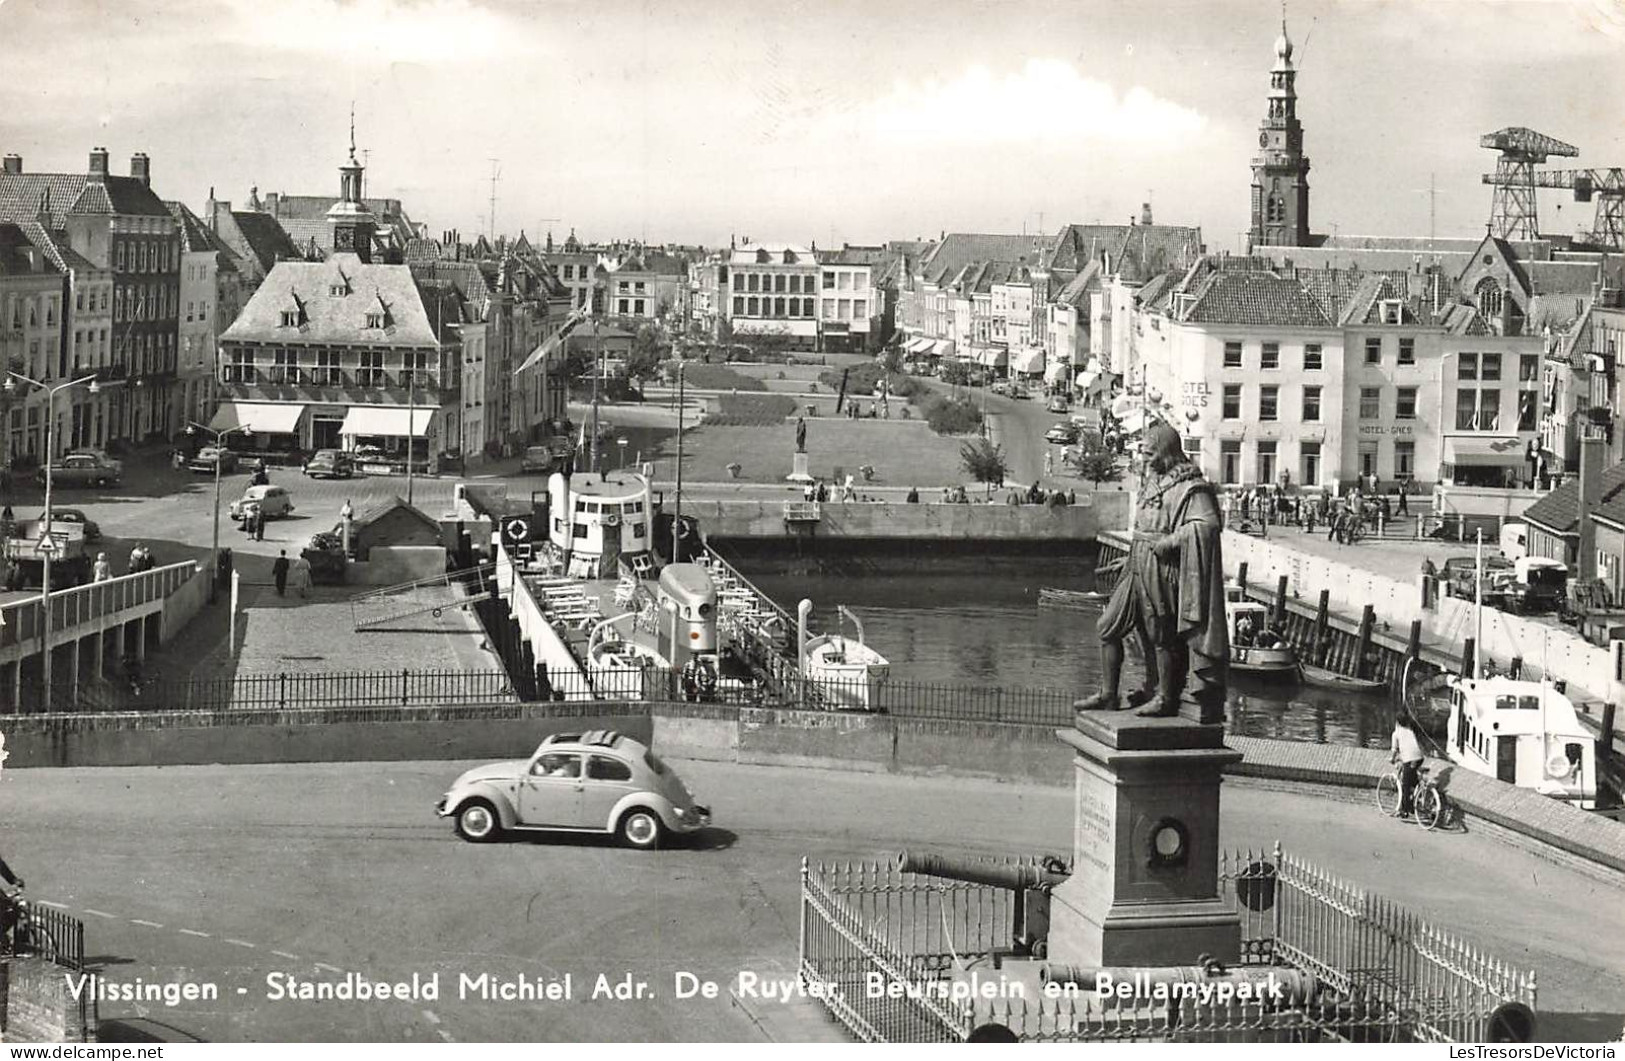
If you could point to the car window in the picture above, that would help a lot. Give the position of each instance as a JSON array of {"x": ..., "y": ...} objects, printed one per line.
[
  {"x": 600, "y": 768},
  {"x": 557, "y": 764}
]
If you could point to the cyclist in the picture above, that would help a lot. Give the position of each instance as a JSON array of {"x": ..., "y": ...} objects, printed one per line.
[{"x": 1405, "y": 750}]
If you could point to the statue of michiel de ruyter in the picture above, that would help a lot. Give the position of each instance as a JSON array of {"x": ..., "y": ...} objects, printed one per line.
[{"x": 1171, "y": 592}]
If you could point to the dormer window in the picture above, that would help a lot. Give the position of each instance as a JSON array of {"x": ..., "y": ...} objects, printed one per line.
[
  {"x": 290, "y": 318},
  {"x": 1392, "y": 311},
  {"x": 375, "y": 319},
  {"x": 340, "y": 287}
]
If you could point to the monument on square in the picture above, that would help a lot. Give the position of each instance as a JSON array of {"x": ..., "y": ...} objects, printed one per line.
[
  {"x": 798, "y": 470},
  {"x": 1144, "y": 889}
]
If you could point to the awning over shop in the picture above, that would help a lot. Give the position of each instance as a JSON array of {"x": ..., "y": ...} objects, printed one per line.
[
  {"x": 1477, "y": 450},
  {"x": 1085, "y": 380},
  {"x": 918, "y": 346},
  {"x": 1029, "y": 362},
  {"x": 260, "y": 417},
  {"x": 386, "y": 420},
  {"x": 1055, "y": 370},
  {"x": 991, "y": 356},
  {"x": 942, "y": 348}
]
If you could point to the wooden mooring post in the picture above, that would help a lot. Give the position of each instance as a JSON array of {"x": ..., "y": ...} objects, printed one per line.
[
  {"x": 1605, "y": 743},
  {"x": 1322, "y": 620},
  {"x": 1469, "y": 655},
  {"x": 1241, "y": 574},
  {"x": 1368, "y": 619},
  {"x": 1279, "y": 618}
]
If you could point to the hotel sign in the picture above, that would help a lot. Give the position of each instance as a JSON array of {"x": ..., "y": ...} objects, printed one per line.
[{"x": 1385, "y": 429}]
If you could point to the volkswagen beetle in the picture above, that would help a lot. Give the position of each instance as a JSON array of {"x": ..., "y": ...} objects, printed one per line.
[{"x": 600, "y": 781}]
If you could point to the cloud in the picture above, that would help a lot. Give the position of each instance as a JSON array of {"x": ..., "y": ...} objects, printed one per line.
[
  {"x": 1048, "y": 101},
  {"x": 380, "y": 31}
]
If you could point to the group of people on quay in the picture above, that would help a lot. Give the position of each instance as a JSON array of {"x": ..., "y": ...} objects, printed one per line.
[{"x": 1345, "y": 519}]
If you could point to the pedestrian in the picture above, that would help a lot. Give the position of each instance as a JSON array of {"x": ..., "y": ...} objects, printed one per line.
[
  {"x": 279, "y": 572},
  {"x": 259, "y": 522},
  {"x": 913, "y": 497},
  {"x": 1332, "y": 524},
  {"x": 299, "y": 576},
  {"x": 103, "y": 570},
  {"x": 1049, "y": 462},
  {"x": 1404, "y": 509}
]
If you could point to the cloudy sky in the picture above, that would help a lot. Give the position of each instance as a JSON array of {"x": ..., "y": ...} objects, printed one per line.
[{"x": 856, "y": 120}]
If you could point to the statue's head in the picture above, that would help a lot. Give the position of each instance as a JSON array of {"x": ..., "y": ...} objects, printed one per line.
[{"x": 1162, "y": 448}]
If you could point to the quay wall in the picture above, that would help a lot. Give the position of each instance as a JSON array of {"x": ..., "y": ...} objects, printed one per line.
[
  {"x": 881, "y": 520},
  {"x": 1545, "y": 649},
  {"x": 762, "y": 736}
]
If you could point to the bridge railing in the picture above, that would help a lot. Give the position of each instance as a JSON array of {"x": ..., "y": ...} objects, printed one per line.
[{"x": 84, "y": 604}]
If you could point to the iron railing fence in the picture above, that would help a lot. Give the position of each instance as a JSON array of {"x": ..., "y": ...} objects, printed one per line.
[
  {"x": 882, "y": 949},
  {"x": 42, "y": 932},
  {"x": 289, "y": 689}
]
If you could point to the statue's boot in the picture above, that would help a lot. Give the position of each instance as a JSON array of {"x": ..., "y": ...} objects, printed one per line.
[
  {"x": 1143, "y": 695},
  {"x": 1105, "y": 700},
  {"x": 1170, "y": 680}
]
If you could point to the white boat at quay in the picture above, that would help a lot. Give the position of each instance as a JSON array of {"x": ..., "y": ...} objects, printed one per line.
[{"x": 844, "y": 672}]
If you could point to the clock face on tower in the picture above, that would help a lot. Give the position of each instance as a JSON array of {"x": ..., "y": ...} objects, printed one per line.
[{"x": 1263, "y": 139}]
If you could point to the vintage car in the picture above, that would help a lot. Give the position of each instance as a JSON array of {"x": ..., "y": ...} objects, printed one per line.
[
  {"x": 93, "y": 531},
  {"x": 600, "y": 781},
  {"x": 330, "y": 463},
  {"x": 1058, "y": 404},
  {"x": 272, "y": 499},
  {"x": 82, "y": 469},
  {"x": 1062, "y": 434},
  {"x": 210, "y": 459}
]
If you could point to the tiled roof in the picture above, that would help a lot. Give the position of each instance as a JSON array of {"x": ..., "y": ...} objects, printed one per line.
[
  {"x": 466, "y": 277},
  {"x": 948, "y": 258},
  {"x": 269, "y": 243},
  {"x": 1559, "y": 511},
  {"x": 424, "y": 250},
  {"x": 326, "y": 318},
  {"x": 1423, "y": 245},
  {"x": 1563, "y": 278},
  {"x": 1371, "y": 259},
  {"x": 22, "y": 193},
  {"x": 854, "y": 256},
  {"x": 14, "y": 261},
  {"x": 1076, "y": 291},
  {"x": 196, "y": 236},
  {"x": 772, "y": 254},
  {"x": 1230, "y": 297},
  {"x": 315, "y": 207}
]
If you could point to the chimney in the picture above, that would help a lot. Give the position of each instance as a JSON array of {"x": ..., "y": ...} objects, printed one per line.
[
  {"x": 13, "y": 164},
  {"x": 1145, "y": 213},
  {"x": 1593, "y": 451},
  {"x": 141, "y": 168},
  {"x": 98, "y": 164}
]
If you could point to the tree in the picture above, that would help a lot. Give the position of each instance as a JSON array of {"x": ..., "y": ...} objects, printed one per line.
[
  {"x": 984, "y": 460},
  {"x": 1099, "y": 467},
  {"x": 644, "y": 360},
  {"x": 955, "y": 373}
]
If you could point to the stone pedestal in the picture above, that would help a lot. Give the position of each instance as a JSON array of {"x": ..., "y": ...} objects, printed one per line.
[
  {"x": 1144, "y": 888},
  {"x": 798, "y": 473}
]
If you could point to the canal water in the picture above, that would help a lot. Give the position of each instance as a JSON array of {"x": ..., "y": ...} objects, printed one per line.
[{"x": 986, "y": 629}]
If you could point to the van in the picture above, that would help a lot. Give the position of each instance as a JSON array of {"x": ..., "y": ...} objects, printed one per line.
[{"x": 1515, "y": 540}]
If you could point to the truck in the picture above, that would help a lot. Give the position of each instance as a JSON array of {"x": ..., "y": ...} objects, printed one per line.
[
  {"x": 81, "y": 469},
  {"x": 25, "y": 561},
  {"x": 1534, "y": 584}
]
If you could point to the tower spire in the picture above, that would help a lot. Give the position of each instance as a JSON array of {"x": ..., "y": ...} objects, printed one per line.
[
  {"x": 352, "y": 102},
  {"x": 1280, "y": 192}
]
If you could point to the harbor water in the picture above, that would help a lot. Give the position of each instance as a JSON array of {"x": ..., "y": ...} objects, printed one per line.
[{"x": 986, "y": 629}]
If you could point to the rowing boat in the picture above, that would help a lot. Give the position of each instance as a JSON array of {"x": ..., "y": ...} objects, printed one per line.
[
  {"x": 1076, "y": 599},
  {"x": 1327, "y": 679}
]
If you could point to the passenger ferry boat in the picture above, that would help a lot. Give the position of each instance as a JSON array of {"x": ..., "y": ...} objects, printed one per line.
[
  {"x": 1525, "y": 733},
  {"x": 1245, "y": 652}
]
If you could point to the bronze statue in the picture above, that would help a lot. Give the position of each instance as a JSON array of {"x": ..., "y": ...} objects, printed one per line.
[
  {"x": 801, "y": 435},
  {"x": 1171, "y": 593}
]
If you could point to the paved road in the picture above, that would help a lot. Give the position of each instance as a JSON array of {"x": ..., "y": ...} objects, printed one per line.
[{"x": 228, "y": 873}]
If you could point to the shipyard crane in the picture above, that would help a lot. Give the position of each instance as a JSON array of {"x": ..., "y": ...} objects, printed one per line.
[
  {"x": 1512, "y": 209},
  {"x": 1607, "y": 186}
]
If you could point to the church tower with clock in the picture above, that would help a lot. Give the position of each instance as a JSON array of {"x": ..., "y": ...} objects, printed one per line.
[
  {"x": 353, "y": 224},
  {"x": 1280, "y": 213}
]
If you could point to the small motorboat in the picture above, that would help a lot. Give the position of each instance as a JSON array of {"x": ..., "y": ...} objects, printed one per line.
[
  {"x": 1254, "y": 647},
  {"x": 1322, "y": 678},
  {"x": 1073, "y": 599},
  {"x": 845, "y": 672}
]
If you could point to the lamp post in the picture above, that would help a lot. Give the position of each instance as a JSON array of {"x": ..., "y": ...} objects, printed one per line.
[
  {"x": 192, "y": 428},
  {"x": 12, "y": 379}
]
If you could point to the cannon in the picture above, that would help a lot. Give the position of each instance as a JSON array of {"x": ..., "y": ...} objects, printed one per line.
[
  {"x": 1044, "y": 873},
  {"x": 1030, "y": 883}
]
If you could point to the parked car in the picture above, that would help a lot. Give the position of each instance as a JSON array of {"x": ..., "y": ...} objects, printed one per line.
[
  {"x": 537, "y": 460},
  {"x": 93, "y": 531},
  {"x": 210, "y": 456},
  {"x": 273, "y": 500},
  {"x": 80, "y": 469},
  {"x": 600, "y": 781},
  {"x": 330, "y": 464},
  {"x": 1020, "y": 391},
  {"x": 1058, "y": 404},
  {"x": 1062, "y": 434},
  {"x": 1457, "y": 574},
  {"x": 1000, "y": 386},
  {"x": 100, "y": 456}
]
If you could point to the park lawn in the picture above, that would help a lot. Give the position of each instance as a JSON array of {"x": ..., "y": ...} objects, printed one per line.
[{"x": 904, "y": 452}]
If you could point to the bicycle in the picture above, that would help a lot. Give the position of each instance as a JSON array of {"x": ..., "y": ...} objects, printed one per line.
[{"x": 1428, "y": 805}]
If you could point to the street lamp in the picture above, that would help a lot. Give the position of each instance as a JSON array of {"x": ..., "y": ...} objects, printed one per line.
[
  {"x": 12, "y": 380},
  {"x": 192, "y": 428}
]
